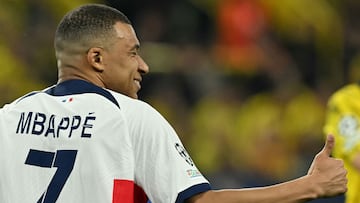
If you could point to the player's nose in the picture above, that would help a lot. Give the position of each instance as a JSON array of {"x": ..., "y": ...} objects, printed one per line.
[{"x": 143, "y": 67}]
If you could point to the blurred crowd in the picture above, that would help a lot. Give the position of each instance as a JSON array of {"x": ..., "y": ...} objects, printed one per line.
[{"x": 244, "y": 82}]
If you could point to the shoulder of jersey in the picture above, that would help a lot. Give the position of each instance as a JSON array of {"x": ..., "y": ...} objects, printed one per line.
[
  {"x": 128, "y": 102},
  {"x": 348, "y": 91}
]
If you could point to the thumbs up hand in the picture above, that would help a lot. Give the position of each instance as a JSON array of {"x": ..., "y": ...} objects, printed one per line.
[
  {"x": 329, "y": 145},
  {"x": 325, "y": 152},
  {"x": 328, "y": 174}
]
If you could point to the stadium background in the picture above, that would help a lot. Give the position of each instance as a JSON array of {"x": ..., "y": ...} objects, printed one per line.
[{"x": 244, "y": 82}]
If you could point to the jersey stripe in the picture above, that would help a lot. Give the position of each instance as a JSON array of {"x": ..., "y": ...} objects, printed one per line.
[{"x": 126, "y": 191}]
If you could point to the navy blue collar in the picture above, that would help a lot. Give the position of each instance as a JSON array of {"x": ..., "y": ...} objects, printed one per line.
[{"x": 70, "y": 87}]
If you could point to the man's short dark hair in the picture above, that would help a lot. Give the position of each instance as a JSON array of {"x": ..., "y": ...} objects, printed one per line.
[{"x": 87, "y": 25}]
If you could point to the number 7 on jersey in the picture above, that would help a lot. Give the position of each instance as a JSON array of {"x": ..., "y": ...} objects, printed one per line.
[{"x": 63, "y": 160}]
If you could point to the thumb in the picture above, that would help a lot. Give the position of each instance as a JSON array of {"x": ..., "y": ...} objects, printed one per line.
[{"x": 329, "y": 145}]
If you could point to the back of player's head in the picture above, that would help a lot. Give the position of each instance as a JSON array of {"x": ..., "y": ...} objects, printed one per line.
[{"x": 87, "y": 26}]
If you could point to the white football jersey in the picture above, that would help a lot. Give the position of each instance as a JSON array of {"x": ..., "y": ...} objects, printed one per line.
[{"x": 76, "y": 142}]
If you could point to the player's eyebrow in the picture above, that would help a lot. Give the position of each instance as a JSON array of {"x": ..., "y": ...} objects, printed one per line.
[{"x": 135, "y": 47}]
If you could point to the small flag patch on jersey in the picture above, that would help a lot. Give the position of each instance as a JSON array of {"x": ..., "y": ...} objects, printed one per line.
[{"x": 68, "y": 100}]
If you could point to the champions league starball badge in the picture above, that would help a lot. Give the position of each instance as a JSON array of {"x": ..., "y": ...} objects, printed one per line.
[{"x": 182, "y": 151}]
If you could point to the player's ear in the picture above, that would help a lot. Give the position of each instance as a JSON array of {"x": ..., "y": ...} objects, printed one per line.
[{"x": 95, "y": 58}]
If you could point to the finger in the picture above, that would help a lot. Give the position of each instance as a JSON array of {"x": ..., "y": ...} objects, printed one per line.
[{"x": 329, "y": 145}]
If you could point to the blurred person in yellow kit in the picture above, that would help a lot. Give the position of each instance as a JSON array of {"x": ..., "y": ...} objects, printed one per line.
[{"x": 343, "y": 121}]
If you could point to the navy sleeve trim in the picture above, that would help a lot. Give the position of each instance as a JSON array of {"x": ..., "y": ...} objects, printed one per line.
[{"x": 191, "y": 191}]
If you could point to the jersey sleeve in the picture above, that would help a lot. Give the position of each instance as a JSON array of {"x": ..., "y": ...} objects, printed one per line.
[
  {"x": 343, "y": 121},
  {"x": 164, "y": 169}
]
